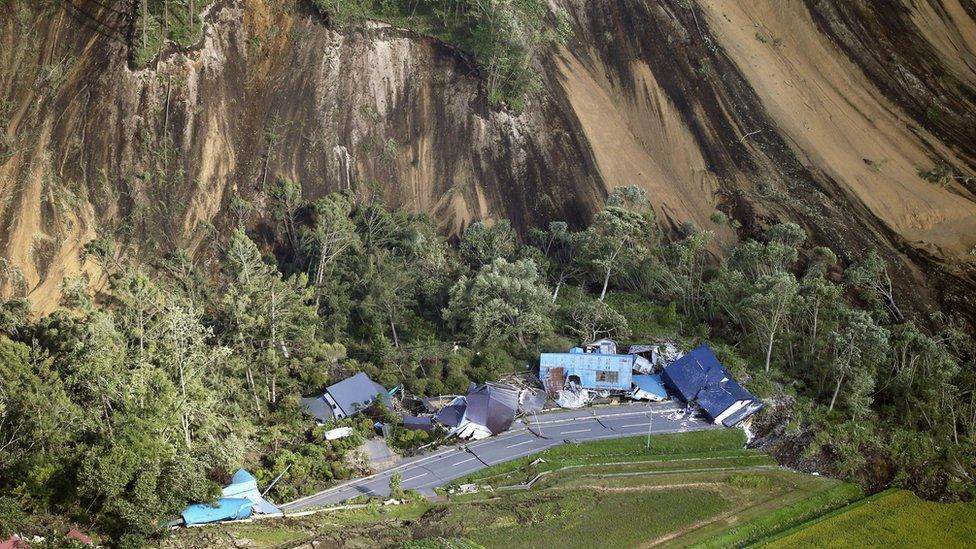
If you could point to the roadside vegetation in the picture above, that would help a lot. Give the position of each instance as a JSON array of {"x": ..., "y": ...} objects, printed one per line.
[{"x": 163, "y": 376}]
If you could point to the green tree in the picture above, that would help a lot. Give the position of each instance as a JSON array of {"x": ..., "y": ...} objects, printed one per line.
[
  {"x": 481, "y": 244},
  {"x": 396, "y": 486},
  {"x": 766, "y": 309},
  {"x": 563, "y": 249},
  {"x": 502, "y": 302},
  {"x": 871, "y": 277},
  {"x": 619, "y": 237},
  {"x": 592, "y": 320},
  {"x": 857, "y": 347}
]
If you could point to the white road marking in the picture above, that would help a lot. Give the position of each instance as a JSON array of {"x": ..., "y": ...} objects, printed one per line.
[
  {"x": 465, "y": 461},
  {"x": 519, "y": 444},
  {"x": 418, "y": 476},
  {"x": 576, "y": 431},
  {"x": 633, "y": 425}
]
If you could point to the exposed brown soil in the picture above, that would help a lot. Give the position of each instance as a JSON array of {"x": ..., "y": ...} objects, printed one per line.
[{"x": 817, "y": 111}]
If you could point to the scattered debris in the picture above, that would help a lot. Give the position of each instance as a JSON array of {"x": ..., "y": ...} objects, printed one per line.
[{"x": 573, "y": 396}]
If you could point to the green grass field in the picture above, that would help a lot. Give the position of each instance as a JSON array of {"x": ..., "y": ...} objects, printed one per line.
[
  {"x": 699, "y": 488},
  {"x": 895, "y": 518}
]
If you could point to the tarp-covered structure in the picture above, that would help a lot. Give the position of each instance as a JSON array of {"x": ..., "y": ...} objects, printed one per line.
[
  {"x": 346, "y": 398},
  {"x": 699, "y": 378},
  {"x": 239, "y": 500}
]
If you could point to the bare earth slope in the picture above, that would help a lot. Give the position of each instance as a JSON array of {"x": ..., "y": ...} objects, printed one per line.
[{"x": 818, "y": 111}]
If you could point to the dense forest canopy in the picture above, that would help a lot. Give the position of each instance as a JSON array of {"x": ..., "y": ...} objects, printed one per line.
[{"x": 132, "y": 401}]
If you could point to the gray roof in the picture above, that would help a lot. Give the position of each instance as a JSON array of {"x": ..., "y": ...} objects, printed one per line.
[
  {"x": 357, "y": 393},
  {"x": 317, "y": 407},
  {"x": 451, "y": 414},
  {"x": 492, "y": 405}
]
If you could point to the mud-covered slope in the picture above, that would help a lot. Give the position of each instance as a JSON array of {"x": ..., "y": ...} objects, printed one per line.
[{"x": 822, "y": 112}]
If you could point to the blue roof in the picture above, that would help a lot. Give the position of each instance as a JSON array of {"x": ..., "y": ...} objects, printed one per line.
[
  {"x": 651, "y": 384},
  {"x": 700, "y": 377},
  {"x": 226, "y": 509},
  {"x": 691, "y": 373}
]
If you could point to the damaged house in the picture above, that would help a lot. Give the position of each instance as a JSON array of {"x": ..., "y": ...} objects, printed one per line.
[
  {"x": 699, "y": 378},
  {"x": 239, "y": 500},
  {"x": 487, "y": 409},
  {"x": 346, "y": 398},
  {"x": 597, "y": 370}
]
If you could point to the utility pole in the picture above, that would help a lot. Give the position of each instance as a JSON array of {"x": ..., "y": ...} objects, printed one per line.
[{"x": 649, "y": 418}]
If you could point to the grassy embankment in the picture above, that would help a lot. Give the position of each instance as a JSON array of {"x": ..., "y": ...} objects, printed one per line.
[{"x": 689, "y": 488}]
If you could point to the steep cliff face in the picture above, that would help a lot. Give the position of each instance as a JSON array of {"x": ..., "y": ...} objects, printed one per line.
[{"x": 822, "y": 112}]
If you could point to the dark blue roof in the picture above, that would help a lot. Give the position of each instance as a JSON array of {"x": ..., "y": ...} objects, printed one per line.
[
  {"x": 691, "y": 373},
  {"x": 357, "y": 393},
  {"x": 700, "y": 377}
]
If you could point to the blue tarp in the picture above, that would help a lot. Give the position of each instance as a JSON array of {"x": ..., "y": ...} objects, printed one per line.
[
  {"x": 240, "y": 498},
  {"x": 226, "y": 509},
  {"x": 651, "y": 384}
]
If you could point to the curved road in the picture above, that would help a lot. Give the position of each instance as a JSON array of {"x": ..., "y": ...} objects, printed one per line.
[{"x": 531, "y": 435}]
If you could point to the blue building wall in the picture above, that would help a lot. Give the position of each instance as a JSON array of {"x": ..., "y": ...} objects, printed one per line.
[{"x": 588, "y": 367}]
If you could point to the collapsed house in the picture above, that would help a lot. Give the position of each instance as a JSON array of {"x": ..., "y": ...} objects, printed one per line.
[
  {"x": 699, "y": 378},
  {"x": 487, "y": 409},
  {"x": 239, "y": 500},
  {"x": 594, "y": 370},
  {"x": 348, "y": 397}
]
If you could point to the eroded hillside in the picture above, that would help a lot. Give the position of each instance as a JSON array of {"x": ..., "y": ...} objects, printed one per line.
[{"x": 820, "y": 111}]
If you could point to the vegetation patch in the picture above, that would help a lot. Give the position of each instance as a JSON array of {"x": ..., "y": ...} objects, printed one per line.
[
  {"x": 892, "y": 518},
  {"x": 503, "y": 37}
]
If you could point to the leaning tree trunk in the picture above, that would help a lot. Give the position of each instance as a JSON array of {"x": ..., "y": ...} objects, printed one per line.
[{"x": 833, "y": 399}]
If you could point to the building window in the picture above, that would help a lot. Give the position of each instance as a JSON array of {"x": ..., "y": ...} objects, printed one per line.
[{"x": 608, "y": 377}]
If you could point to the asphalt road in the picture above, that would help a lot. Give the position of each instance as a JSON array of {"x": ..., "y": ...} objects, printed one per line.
[{"x": 531, "y": 435}]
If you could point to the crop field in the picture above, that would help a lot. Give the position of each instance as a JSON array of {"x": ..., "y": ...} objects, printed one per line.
[
  {"x": 895, "y": 518},
  {"x": 698, "y": 488}
]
